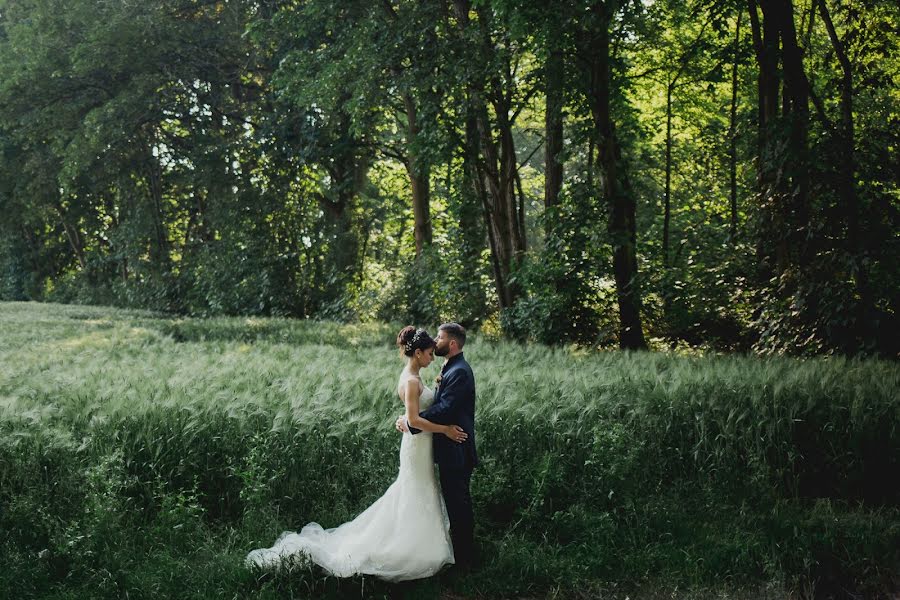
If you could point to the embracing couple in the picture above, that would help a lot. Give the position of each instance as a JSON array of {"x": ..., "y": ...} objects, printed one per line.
[{"x": 415, "y": 527}]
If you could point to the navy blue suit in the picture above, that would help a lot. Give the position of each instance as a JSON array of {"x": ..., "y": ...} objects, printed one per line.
[{"x": 454, "y": 404}]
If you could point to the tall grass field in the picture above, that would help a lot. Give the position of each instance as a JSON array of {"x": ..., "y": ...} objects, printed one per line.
[{"x": 143, "y": 455}]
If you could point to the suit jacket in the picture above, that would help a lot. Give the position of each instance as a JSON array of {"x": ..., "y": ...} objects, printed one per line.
[{"x": 454, "y": 404}]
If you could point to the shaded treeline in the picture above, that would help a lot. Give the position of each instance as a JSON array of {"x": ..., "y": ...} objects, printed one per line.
[{"x": 600, "y": 172}]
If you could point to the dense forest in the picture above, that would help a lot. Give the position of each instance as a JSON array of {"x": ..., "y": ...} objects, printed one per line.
[{"x": 632, "y": 173}]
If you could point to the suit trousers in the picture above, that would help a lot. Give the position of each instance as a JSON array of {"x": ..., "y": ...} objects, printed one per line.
[{"x": 455, "y": 489}]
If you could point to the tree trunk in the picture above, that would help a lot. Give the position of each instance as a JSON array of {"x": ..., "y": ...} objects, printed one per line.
[
  {"x": 848, "y": 164},
  {"x": 765, "y": 44},
  {"x": 204, "y": 226},
  {"x": 477, "y": 179},
  {"x": 419, "y": 171},
  {"x": 125, "y": 203},
  {"x": 153, "y": 173},
  {"x": 73, "y": 237},
  {"x": 472, "y": 231},
  {"x": 667, "y": 197},
  {"x": 419, "y": 176},
  {"x": 615, "y": 186},
  {"x": 732, "y": 130},
  {"x": 796, "y": 88},
  {"x": 511, "y": 204},
  {"x": 344, "y": 243},
  {"x": 553, "y": 125},
  {"x": 498, "y": 163},
  {"x": 771, "y": 189},
  {"x": 847, "y": 188},
  {"x": 590, "y": 163},
  {"x": 34, "y": 249},
  {"x": 347, "y": 168}
]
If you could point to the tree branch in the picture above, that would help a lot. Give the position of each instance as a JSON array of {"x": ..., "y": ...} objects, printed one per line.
[
  {"x": 536, "y": 148},
  {"x": 522, "y": 104}
]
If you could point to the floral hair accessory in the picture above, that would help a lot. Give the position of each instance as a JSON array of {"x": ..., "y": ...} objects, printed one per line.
[{"x": 408, "y": 346}]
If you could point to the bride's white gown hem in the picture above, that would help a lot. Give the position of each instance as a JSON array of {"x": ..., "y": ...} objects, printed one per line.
[{"x": 403, "y": 535}]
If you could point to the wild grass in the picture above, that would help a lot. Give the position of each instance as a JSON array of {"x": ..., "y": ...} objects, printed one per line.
[{"x": 144, "y": 455}]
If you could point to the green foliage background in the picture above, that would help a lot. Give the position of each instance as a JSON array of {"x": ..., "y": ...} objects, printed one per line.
[
  {"x": 144, "y": 455},
  {"x": 254, "y": 158},
  {"x": 238, "y": 178}
]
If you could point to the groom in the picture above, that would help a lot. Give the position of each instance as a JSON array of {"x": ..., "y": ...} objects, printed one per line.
[{"x": 454, "y": 404}]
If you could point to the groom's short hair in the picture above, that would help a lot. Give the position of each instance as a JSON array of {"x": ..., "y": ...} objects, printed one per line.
[{"x": 456, "y": 332}]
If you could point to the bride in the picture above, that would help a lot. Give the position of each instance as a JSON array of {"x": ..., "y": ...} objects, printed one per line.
[{"x": 405, "y": 533}]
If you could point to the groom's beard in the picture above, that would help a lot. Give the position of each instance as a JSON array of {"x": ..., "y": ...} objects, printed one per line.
[{"x": 438, "y": 351}]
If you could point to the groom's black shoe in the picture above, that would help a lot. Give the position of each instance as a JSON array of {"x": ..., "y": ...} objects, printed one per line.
[
  {"x": 464, "y": 550},
  {"x": 462, "y": 557},
  {"x": 464, "y": 560},
  {"x": 457, "y": 571},
  {"x": 463, "y": 567}
]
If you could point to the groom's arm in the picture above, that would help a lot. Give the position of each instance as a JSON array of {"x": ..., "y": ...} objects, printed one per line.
[{"x": 453, "y": 386}]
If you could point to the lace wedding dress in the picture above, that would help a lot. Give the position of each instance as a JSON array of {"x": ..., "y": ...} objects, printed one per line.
[{"x": 403, "y": 535}]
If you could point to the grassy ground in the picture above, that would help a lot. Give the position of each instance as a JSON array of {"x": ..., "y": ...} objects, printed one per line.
[{"x": 142, "y": 456}]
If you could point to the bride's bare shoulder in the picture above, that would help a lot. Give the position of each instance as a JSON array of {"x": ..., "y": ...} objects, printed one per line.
[{"x": 403, "y": 383}]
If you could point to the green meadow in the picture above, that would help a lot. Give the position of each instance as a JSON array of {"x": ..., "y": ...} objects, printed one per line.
[{"x": 143, "y": 455}]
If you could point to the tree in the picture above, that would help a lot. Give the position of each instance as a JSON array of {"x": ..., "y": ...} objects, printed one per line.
[
  {"x": 614, "y": 182},
  {"x": 783, "y": 131},
  {"x": 490, "y": 89}
]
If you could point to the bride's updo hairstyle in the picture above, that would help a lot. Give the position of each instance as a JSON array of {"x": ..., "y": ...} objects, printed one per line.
[{"x": 411, "y": 339}]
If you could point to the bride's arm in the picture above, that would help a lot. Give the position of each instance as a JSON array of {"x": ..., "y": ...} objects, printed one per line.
[{"x": 411, "y": 400}]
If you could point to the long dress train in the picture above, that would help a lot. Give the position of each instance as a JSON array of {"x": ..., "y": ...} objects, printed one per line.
[{"x": 403, "y": 535}]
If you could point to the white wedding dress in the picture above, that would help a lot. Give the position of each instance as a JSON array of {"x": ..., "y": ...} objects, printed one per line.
[{"x": 405, "y": 534}]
